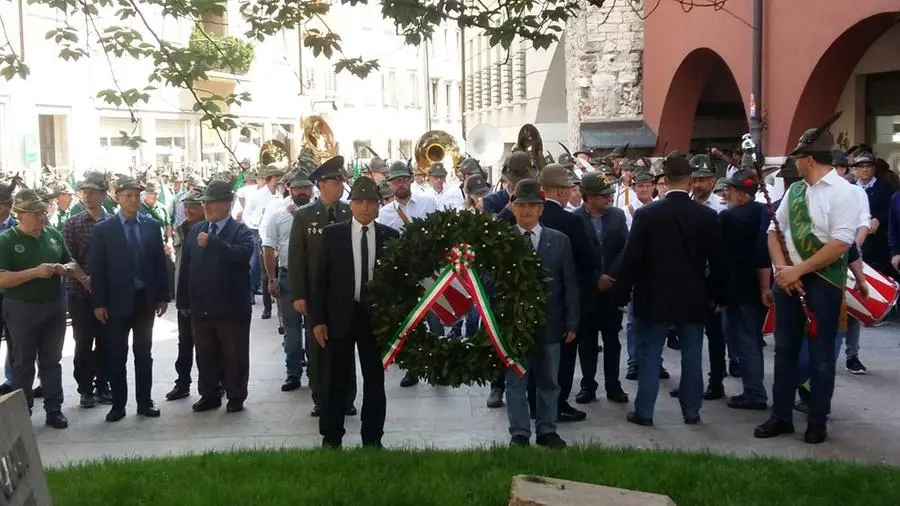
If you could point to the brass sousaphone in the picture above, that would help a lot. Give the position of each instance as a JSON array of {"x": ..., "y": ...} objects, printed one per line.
[
  {"x": 436, "y": 146},
  {"x": 530, "y": 141},
  {"x": 318, "y": 137},
  {"x": 272, "y": 151}
]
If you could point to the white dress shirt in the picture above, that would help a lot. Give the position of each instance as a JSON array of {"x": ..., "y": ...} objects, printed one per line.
[
  {"x": 276, "y": 232},
  {"x": 420, "y": 188},
  {"x": 418, "y": 206},
  {"x": 624, "y": 195},
  {"x": 242, "y": 193},
  {"x": 536, "y": 238},
  {"x": 731, "y": 170},
  {"x": 833, "y": 209},
  {"x": 356, "y": 241},
  {"x": 271, "y": 208},
  {"x": 450, "y": 199},
  {"x": 865, "y": 215},
  {"x": 256, "y": 206},
  {"x": 714, "y": 202}
]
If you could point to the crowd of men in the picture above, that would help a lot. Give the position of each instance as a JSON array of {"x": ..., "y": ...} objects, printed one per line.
[{"x": 667, "y": 247}]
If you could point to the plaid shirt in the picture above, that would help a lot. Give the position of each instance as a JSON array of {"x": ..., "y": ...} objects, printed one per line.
[{"x": 77, "y": 234}]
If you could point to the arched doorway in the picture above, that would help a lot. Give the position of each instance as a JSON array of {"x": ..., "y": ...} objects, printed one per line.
[
  {"x": 859, "y": 73},
  {"x": 703, "y": 107}
]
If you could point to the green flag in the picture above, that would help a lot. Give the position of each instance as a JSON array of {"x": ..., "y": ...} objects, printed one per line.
[{"x": 239, "y": 183}]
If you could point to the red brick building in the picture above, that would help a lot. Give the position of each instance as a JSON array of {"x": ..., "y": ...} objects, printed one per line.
[{"x": 818, "y": 56}]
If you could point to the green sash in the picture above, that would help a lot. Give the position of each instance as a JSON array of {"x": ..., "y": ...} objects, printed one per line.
[{"x": 806, "y": 243}]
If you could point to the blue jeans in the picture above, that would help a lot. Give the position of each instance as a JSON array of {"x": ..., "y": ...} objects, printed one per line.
[
  {"x": 293, "y": 328},
  {"x": 544, "y": 367},
  {"x": 852, "y": 341},
  {"x": 743, "y": 327},
  {"x": 255, "y": 263},
  {"x": 651, "y": 338},
  {"x": 824, "y": 301},
  {"x": 631, "y": 341}
]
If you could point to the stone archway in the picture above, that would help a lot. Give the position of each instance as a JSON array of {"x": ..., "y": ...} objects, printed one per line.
[
  {"x": 689, "y": 83},
  {"x": 828, "y": 78}
]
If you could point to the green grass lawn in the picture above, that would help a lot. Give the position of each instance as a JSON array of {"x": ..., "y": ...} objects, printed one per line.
[{"x": 470, "y": 478}]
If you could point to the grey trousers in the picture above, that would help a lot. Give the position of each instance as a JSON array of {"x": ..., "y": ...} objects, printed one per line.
[{"x": 37, "y": 331}]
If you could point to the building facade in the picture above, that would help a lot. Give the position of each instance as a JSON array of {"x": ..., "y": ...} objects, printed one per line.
[{"x": 818, "y": 57}]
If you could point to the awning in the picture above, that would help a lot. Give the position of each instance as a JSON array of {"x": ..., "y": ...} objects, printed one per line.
[{"x": 612, "y": 134}]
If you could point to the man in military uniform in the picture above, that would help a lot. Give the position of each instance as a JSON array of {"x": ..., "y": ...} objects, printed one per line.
[
  {"x": 305, "y": 242},
  {"x": 7, "y": 221}
]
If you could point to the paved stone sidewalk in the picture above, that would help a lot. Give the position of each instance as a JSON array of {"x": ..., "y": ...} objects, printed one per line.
[{"x": 865, "y": 424}]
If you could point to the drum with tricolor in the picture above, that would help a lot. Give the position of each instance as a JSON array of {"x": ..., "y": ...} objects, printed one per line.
[{"x": 883, "y": 292}]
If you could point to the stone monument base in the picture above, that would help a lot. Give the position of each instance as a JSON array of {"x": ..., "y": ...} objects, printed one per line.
[{"x": 541, "y": 491}]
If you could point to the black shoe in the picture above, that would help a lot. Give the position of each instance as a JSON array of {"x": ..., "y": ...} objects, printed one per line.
[
  {"x": 148, "y": 410},
  {"x": 38, "y": 392},
  {"x": 495, "y": 399},
  {"x": 103, "y": 397},
  {"x": 815, "y": 434},
  {"x": 673, "y": 393},
  {"x": 316, "y": 411},
  {"x": 115, "y": 414},
  {"x": 57, "y": 420},
  {"x": 617, "y": 395},
  {"x": 637, "y": 420},
  {"x": 351, "y": 410},
  {"x": 375, "y": 445},
  {"x": 734, "y": 369},
  {"x": 178, "y": 392},
  {"x": 234, "y": 406},
  {"x": 854, "y": 366},
  {"x": 290, "y": 384},
  {"x": 714, "y": 391},
  {"x": 673, "y": 342},
  {"x": 569, "y": 414},
  {"x": 551, "y": 440},
  {"x": 207, "y": 404},
  {"x": 331, "y": 445},
  {"x": 409, "y": 380},
  {"x": 266, "y": 314},
  {"x": 519, "y": 441},
  {"x": 631, "y": 374},
  {"x": 5, "y": 389},
  {"x": 664, "y": 374},
  {"x": 586, "y": 396},
  {"x": 741, "y": 402},
  {"x": 88, "y": 401},
  {"x": 773, "y": 428},
  {"x": 692, "y": 421}
]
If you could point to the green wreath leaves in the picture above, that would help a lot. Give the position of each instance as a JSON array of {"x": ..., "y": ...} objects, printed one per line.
[{"x": 508, "y": 267}]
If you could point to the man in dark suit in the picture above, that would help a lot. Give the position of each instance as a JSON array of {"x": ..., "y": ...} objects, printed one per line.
[
  {"x": 129, "y": 283},
  {"x": 610, "y": 231},
  {"x": 349, "y": 253},
  {"x": 555, "y": 253},
  {"x": 670, "y": 245},
  {"x": 517, "y": 167},
  {"x": 214, "y": 289},
  {"x": 307, "y": 233},
  {"x": 557, "y": 187}
]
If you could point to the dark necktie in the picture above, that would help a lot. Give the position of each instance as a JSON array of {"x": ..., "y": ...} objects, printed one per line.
[
  {"x": 137, "y": 259},
  {"x": 331, "y": 217},
  {"x": 364, "y": 267},
  {"x": 529, "y": 236},
  {"x": 213, "y": 228}
]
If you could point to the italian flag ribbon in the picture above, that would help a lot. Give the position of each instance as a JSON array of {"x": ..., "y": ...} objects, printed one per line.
[{"x": 459, "y": 268}]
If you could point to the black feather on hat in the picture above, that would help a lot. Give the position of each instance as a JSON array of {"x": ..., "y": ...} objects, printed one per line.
[{"x": 817, "y": 140}]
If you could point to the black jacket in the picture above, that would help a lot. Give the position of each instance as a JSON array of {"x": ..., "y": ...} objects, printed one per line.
[
  {"x": 214, "y": 282},
  {"x": 741, "y": 242},
  {"x": 875, "y": 250},
  {"x": 614, "y": 235},
  {"x": 671, "y": 243}
]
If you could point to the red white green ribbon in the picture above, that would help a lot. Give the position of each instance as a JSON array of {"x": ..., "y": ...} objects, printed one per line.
[{"x": 460, "y": 267}]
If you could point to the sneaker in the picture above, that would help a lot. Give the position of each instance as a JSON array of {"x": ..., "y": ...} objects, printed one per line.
[
  {"x": 854, "y": 366},
  {"x": 495, "y": 399},
  {"x": 551, "y": 440},
  {"x": 5, "y": 389}
]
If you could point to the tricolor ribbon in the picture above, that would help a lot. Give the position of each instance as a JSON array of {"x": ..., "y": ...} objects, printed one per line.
[{"x": 459, "y": 267}]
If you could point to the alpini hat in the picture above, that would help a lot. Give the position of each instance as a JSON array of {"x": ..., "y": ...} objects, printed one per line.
[
  {"x": 193, "y": 196},
  {"x": 595, "y": 183},
  {"x": 476, "y": 185},
  {"x": 437, "y": 170},
  {"x": 6, "y": 194},
  {"x": 399, "y": 169},
  {"x": 702, "y": 166},
  {"x": 330, "y": 169},
  {"x": 365, "y": 188},
  {"x": 675, "y": 165},
  {"x": 128, "y": 183},
  {"x": 555, "y": 176},
  {"x": 217, "y": 191},
  {"x": 744, "y": 180},
  {"x": 528, "y": 191},
  {"x": 28, "y": 201}
]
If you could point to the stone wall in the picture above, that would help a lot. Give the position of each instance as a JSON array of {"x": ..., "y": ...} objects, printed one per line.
[{"x": 604, "y": 53}]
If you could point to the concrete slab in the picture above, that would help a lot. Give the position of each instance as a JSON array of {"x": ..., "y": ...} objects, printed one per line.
[{"x": 865, "y": 423}]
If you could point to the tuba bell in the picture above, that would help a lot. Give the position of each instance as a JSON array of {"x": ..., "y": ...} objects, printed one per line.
[
  {"x": 485, "y": 144},
  {"x": 272, "y": 151},
  {"x": 318, "y": 138},
  {"x": 436, "y": 146},
  {"x": 530, "y": 142}
]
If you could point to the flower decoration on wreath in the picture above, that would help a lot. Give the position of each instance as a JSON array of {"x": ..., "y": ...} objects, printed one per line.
[{"x": 492, "y": 263}]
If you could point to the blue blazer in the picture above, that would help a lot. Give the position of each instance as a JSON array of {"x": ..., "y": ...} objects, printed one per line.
[
  {"x": 112, "y": 272},
  {"x": 214, "y": 282},
  {"x": 559, "y": 270}
]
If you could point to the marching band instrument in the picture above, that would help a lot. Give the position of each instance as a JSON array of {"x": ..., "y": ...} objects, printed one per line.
[
  {"x": 436, "y": 146},
  {"x": 318, "y": 137},
  {"x": 272, "y": 151},
  {"x": 485, "y": 144},
  {"x": 530, "y": 141}
]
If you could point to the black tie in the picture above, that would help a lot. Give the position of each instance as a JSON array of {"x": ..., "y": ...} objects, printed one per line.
[
  {"x": 364, "y": 268},
  {"x": 213, "y": 228},
  {"x": 331, "y": 217},
  {"x": 528, "y": 236}
]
